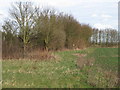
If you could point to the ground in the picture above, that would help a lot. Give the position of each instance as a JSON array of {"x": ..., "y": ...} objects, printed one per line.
[{"x": 64, "y": 71}]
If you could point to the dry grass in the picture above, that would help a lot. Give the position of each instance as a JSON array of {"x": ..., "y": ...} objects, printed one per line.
[
  {"x": 40, "y": 55},
  {"x": 84, "y": 61},
  {"x": 90, "y": 61},
  {"x": 12, "y": 55},
  {"x": 36, "y": 54},
  {"x": 81, "y": 62},
  {"x": 98, "y": 77},
  {"x": 80, "y": 55}
]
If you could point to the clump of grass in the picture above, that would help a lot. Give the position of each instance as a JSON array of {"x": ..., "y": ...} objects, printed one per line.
[
  {"x": 90, "y": 61},
  {"x": 81, "y": 62},
  {"x": 84, "y": 61}
]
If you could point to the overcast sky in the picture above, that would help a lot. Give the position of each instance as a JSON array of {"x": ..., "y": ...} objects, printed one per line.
[{"x": 97, "y": 13}]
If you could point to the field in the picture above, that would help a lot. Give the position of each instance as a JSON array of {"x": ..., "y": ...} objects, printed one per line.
[{"x": 67, "y": 71}]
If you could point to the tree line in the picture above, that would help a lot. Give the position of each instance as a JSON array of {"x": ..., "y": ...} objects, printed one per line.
[
  {"x": 30, "y": 27},
  {"x": 106, "y": 37}
]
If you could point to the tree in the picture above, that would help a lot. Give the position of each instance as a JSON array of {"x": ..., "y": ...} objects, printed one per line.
[
  {"x": 10, "y": 41},
  {"x": 86, "y": 33},
  {"x": 100, "y": 37},
  {"x": 72, "y": 31},
  {"x": 23, "y": 14},
  {"x": 49, "y": 27}
]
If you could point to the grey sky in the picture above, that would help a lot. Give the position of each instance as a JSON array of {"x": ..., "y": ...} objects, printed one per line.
[{"x": 97, "y": 13}]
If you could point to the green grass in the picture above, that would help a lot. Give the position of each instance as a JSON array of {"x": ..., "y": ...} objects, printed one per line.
[
  {"x": 106, "y": 58},
  {"x": 62, "y": 73}
]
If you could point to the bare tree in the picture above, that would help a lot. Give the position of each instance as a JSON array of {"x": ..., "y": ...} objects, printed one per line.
[{"x": 23, "y": 14}]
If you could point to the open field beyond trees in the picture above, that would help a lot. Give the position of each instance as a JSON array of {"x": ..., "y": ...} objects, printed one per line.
[{"x": 88, "y": 68}]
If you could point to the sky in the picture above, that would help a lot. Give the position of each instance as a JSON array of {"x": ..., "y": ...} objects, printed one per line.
[{"x": 99, "y": 14}]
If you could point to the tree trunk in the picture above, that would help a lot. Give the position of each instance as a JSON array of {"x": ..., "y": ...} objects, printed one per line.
[{"x": 24, "y": 53}]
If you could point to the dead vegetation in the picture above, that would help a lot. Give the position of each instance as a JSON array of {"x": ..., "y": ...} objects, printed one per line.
[
  {"x": 80, "y": 55},
  {"x": 101, "y": 78},
  {"x": 36, "y": 54},
  {"x": 84, "y": 61},
  {"x": 40, "y": 55}
]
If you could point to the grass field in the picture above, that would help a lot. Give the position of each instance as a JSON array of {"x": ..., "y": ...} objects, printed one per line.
[{"x": 63, "y": 72}]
